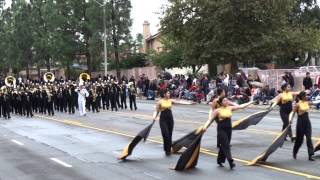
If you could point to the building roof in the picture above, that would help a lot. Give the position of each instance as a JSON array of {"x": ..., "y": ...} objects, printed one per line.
[{"x": 153, "y": 36}]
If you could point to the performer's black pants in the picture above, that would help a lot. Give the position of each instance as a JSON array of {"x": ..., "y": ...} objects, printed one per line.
[
  {"x": 303, "y": 129},
  {"x": 105, "y": 101},
  {"x": 71, "y": 105},
  {"x": 27, "y": 109},
  {"x": 118, "y": 100},
  {"x": 50, "y": 109},
  {"x": 224, "y": 133},
  {"x": 6, "y": 110},
  {"x": 132, "y": 99},
  {"x": 166, "y": 125},
  {"x": 113, "y": 102},
  {"x": 123, "y": 101},
  {"x": 285, "y": 120},
  {"x": 94, "y": 105}
]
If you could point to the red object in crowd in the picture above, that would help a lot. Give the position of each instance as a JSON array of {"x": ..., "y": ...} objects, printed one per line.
[
  {"x": 162, "y": 86},
  {"x": 193, "y": 88}
]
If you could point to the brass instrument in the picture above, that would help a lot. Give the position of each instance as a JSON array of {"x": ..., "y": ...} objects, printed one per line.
[
  {"x": 48, "y": 77},
  {"x": 83, "y": 78},
  {"x": 10, "y": 81}
]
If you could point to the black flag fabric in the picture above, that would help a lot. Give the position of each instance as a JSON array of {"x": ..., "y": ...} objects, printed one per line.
[
  {"x": 186, "y": 140},
  {"x": 317, "y": 147},
  {"x": 189, "y": 158},
  {"x": 244, "y": 123},
  {"x": 277, "y": 143},
  {"x": 253, "y": 119},
  {"x": 127, "y": 151}
]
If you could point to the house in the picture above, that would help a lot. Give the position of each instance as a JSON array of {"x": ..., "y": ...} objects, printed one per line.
[{"x": 151, "y": 42}]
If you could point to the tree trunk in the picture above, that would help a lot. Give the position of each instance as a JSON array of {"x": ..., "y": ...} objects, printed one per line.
[
  {"x": 28, "y": 71},
  {"x": 193, "y": 69},
  {"x": 308, "y": 60},
  {"x": 89, "y": 66},
  {"x": 115, "y": 40},
  {"x": 234, "y": 66},
  {"x": 48, "y": 64},
  {"x": 39, "y": 73}
]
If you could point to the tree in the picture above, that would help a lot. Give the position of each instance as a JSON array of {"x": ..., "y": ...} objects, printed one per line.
[
  {"x": 120, "y": 22},
  {"x": 232, "y": 31}
]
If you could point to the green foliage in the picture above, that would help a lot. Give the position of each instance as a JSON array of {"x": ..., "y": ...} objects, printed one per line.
[
  {"x": 230, "y": 31},
  {"x": 54, "y": 33},
  {"x": 131, "y": 61},
  {"x": 171, "y": 56}
]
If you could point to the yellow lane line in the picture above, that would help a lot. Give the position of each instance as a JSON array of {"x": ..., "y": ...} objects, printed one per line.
[{"x": 204, "y": 151}]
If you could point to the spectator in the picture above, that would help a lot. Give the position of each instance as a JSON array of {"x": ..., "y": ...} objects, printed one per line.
[
  {"x": 205, "y": 85},
  {"x": 189, "y": 81},
  {"x": 307, "y": 82},
  {"x": 239, "y": 80},
  {"x": 290, "y": 79},
  {"x": 152, "y": 90},
  {"x": 146, "y": 86}
]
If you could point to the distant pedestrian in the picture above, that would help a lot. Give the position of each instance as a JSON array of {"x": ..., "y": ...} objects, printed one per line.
[{"x": 307, "y": 82}]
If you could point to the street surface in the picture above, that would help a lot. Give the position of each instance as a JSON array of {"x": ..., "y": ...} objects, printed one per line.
[{"x": 70, "y": 147}]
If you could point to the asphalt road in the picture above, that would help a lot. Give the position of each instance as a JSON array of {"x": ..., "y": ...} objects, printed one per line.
[{"x": 78, "y": 148}]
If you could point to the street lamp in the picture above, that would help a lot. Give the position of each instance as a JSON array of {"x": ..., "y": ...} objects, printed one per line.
[{"x": 104, "y": 36}]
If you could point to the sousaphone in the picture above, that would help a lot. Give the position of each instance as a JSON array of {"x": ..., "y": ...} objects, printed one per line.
[
  {"x": 48, "y": 77},
  {"x": 10, "y": 81},
  {"x": 83, "y": 78}
]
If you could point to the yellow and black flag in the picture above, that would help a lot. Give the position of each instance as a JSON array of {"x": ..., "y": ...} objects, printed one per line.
[
  {"x": 317, "y": 147},
  {"x": 253, "y": 119},
  {"x": 189, "y": 158},
  {"x": 142, "y": 135},
  {"x": 186, "y": 140},
  {"x": 277, "y": 143}
]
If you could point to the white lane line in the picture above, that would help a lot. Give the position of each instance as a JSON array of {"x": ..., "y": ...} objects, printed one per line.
[
  {"x": 204, "y": 112},
  {"x": 61, "y": 162},
  {"x": 17, "y": 142}
]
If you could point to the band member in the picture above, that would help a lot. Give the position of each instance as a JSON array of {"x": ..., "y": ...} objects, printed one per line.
[
  {"x": 82, "y": 95},
  {"x": 284, "y": 100},
  {"x": 6, "y": 104},
  {"x": 50, "y": 102},
  {"x": 43, "y": 101},
  {"x": 94, "y": 99},
  {"x": 118, "y": 95},
  {"x": 123, "y": 95},
  {"x": 166, "y": 121},
  {"x": 113, "y": 96},
  {"x": 303, "y": 126},
  {"x": 72, "y": 99},
  {"x": 26, "y": 99},
  {"x": 223, "y": 115},
  {"x": 132, "y": 92},
  {"x": 105, "y": 96},
  {"x": 60, "y": 99}
]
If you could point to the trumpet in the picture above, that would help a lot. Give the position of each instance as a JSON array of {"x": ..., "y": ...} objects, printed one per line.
[
  {"x": 10, "y": 81},
  {"x": 83, "y": 78},
  {"x": 48, "y": 77}
]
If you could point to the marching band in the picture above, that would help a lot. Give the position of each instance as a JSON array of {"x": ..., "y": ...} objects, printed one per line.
[{"x": 49, "y": 96}]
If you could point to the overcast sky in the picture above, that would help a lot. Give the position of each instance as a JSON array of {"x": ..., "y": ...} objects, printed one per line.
[{"x": 141, "y": 10}]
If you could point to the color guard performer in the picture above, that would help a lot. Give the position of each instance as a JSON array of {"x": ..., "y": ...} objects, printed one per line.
[
  {"x": 224, "y": 129},
  {"x": 285, "y": 100},
  {"x": 132, "y": 92},
  {"x": 166, "y": 121},
  {"x": 304, "y": 127}
]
